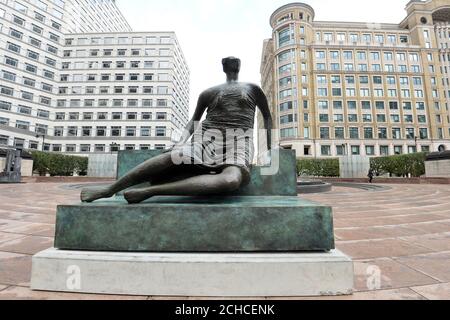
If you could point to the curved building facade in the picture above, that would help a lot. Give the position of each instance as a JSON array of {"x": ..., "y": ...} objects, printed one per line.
[{"x": 369, "y": 89}]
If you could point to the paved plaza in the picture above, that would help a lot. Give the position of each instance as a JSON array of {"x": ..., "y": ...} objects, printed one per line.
[{"x": 399, "y": 238}]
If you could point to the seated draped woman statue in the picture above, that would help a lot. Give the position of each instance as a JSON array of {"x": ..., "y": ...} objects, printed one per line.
[{"x": 216, "y": 160}]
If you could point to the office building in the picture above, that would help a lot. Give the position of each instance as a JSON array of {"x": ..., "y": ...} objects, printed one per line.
[
  {"x": 351, "y": 88},
  {"x": 74, "y": 78}
]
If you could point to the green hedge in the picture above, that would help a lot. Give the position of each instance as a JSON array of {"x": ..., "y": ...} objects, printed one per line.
[
  {"x": 318, "y": 167},
  {"x": 400, "y": 165},
  {"x": 59, "y": 165}
]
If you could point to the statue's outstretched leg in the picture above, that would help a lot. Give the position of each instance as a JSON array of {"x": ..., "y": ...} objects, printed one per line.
[
  {"x": 228, "y": 181},
  {"x": 142, "y": 173}
]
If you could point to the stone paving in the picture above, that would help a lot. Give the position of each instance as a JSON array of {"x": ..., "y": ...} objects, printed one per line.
[{"x": 399, "y": 239}]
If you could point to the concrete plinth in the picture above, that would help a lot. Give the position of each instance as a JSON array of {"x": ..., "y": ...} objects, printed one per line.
[
  {"x": 196, "y": 224},
  {"x": 195, "y": 275}
]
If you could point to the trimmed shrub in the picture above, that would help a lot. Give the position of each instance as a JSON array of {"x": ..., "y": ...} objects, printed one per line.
[
  {"x": 400, "y": 165},
  {"x": 81, "y": 166},
  {"x": 58, "y": 164},
  {"x": 318, "y": 167}
]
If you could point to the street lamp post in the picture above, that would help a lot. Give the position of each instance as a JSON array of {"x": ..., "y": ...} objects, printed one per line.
[
  {"x": 111, "y": 146},
  {"x": 43, "y": 139}
]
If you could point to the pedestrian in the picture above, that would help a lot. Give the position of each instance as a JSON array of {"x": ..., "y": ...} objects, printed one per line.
[{"x": 370, "y": 175}]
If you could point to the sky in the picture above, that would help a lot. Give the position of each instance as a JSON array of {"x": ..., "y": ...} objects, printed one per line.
[{"x": 209, "y": 30}]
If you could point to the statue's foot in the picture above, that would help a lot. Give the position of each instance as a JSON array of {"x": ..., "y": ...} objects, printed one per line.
[
  {"x": 95, "y": 193},
  {"x": 137, "y": 195}
]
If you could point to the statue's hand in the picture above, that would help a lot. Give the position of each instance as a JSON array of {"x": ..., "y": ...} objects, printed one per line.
[
  {"x": 176, "y": 146},
  {"x": 266, "y": 158}
]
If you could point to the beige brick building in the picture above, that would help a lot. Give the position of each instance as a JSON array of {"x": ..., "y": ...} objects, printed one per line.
[{"x": 340, "y": 88}]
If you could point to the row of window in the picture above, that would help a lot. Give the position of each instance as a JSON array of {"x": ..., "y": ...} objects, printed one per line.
[
  {"x": 7, "y": 91},
  {"x": 116, "y": 77},
  {"x": 83, "y": 148},
  {"x": 37, "y": 15},
  {"x": 33, "y": 41},
  {"x": 363, "y": 38},
  {"x": 118, "y": 65},
  {"x": 98, "y": 16},
  {"x": 355, "y": 118},
  {"x": 45, "y": 114},
  {"x": 88, "y": 131},
  {"x": 367, "y": 92},
  {"x": 350, "y": 80},
  {"x": 289, "y": 68},
  {"x": 367, "y": 105},
  {"x": 61, "y": 116},
  {"x": 364, "y": 105},
  {"x": 89, "y": 77},
  {"x": 91, "y": 64},
  {"x": 103, "y": 103},
  {"x": 33, "y": 55},
  {"x": 325, "y": 150},
  {"x": 376, "y": 80},
  {"x": 30, "y": 68},
  {"x": 286, "y": 37},
  {"x": 36, "y": 28},
  {"x": 290, "y": 16},
  {"x": 374, "y": 67},
  {"x": 374, "y": 55},
  {"x": 160, "y": 90},
  {"x": 75, "y": 103},
  {"x": 118, "y": 52},
  {"x": 381, "y": 118},
  {"x": 109, "y": 132},
  {"x": 363, "y": 92},
  {"x": 369, "y": 133},
  {"x": 9, "y": 76},
  {"x": 42, "y": 5},
  {"x": 125, "y": 40},
  {"x": 29, "y": 82},
  {"x": 442, "y": 33}
]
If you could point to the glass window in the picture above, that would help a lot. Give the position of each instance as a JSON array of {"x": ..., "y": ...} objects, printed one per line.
[
  {"x": 339, "y": 133},
  {"x": 284, "y": 37},
  {"x": 339, "y": 118},
  {"x": 39, "y": 17},
  {"x": 320, "y": 54},
  {"x": 324, "y": 133},
  {"x": 326, "y": 150},
  {"x": 160, "y": 131},
  {"x": 368, "y": 133},
  {"x": 20, "y": 7}
]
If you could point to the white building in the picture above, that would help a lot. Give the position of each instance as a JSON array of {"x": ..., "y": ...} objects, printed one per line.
[{"x": 74, "y": 78}]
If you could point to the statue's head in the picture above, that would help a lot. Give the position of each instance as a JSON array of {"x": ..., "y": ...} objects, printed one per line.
[{"x": 231, "y": 65}]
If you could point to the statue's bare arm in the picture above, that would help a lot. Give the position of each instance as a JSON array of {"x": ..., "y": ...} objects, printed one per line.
[
  {"x": 202, "y": 104},
  {"x": 263, "y": 106}
]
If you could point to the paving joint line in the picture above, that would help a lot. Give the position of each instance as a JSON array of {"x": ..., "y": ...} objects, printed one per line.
[{"x": 419, "y": 271}]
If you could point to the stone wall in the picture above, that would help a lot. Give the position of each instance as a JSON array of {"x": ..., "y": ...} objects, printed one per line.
[
  {"x": 438, "y": 169},
  {"x": 73, "y": 180},
  {"x": 381, "y": 180},
  {"x": 354, "y": 166},
  {"x": 27, "y": 167},
  {"x": 102, "y": 165}
]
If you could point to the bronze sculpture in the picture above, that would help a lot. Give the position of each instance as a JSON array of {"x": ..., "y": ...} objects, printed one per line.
[{"x": 216, "y": 166}]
